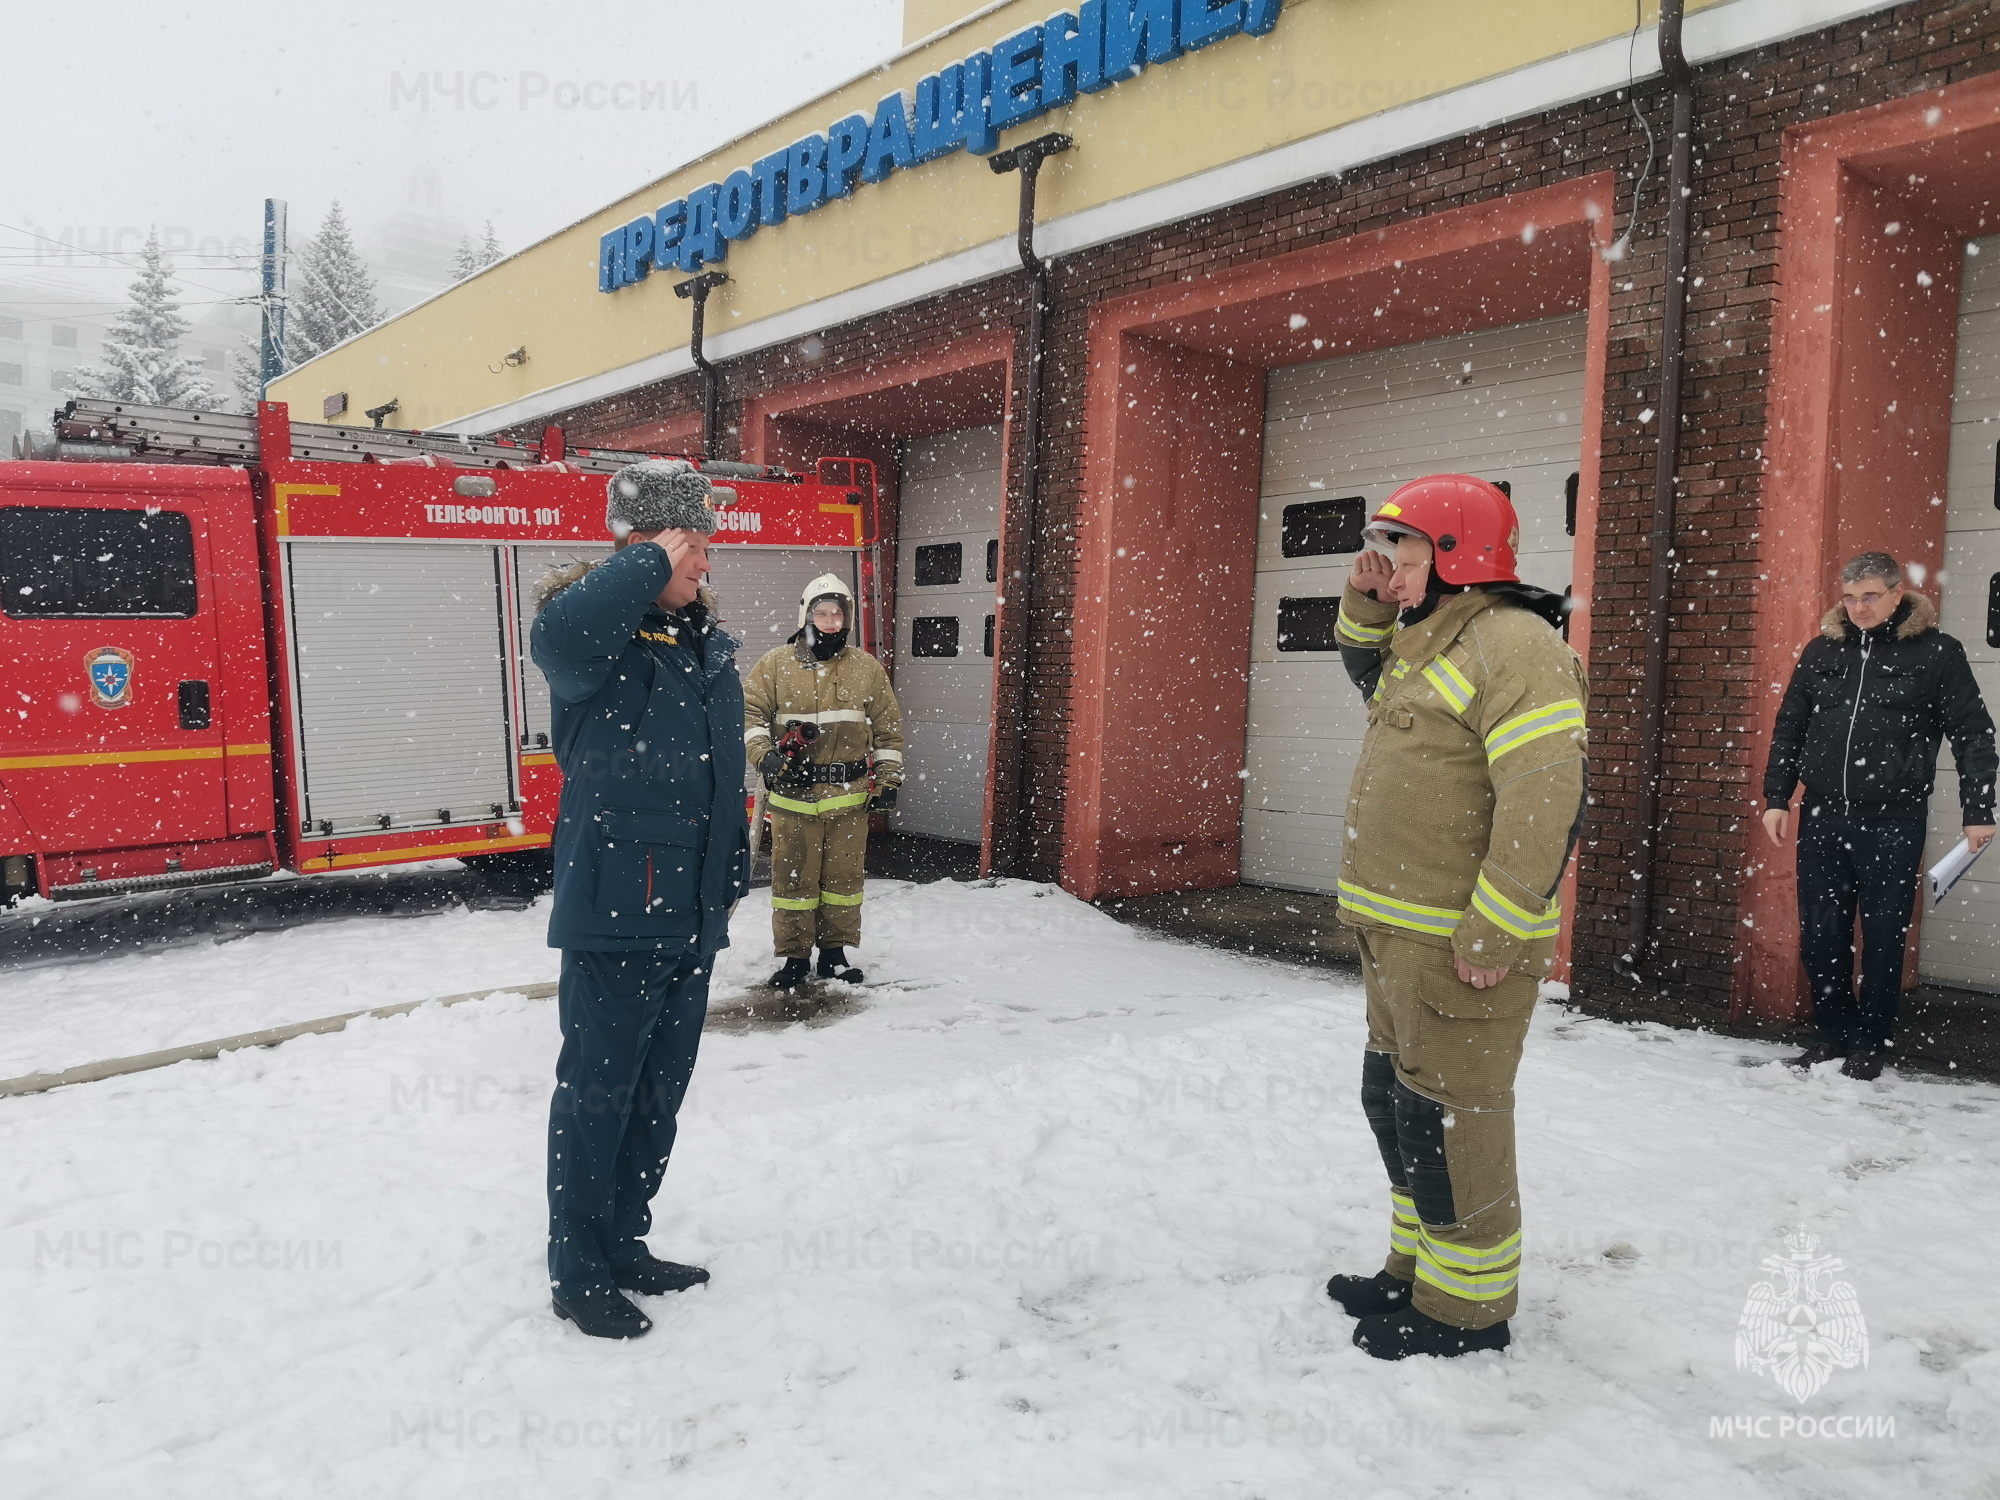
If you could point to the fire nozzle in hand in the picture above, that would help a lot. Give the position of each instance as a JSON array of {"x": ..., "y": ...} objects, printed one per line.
[{"x": 788, "y": 768}]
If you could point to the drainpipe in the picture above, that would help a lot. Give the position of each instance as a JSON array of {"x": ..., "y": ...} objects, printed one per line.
[
  {"x": 1012, "y": 843},
  {"x": 697, "y": 288},
  {"x": 1673, "y": 350}
]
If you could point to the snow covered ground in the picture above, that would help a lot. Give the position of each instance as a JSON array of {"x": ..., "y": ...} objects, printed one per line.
[{"x": 1049, "y": 1217}]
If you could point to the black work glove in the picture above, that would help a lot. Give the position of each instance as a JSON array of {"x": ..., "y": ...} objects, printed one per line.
[
  {"x": 884, "y": 800},
  {"x": 771, "y": 766}
]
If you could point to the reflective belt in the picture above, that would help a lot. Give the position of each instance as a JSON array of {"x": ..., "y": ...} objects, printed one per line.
[
  {"x": 818, "y": 809},
  {"x": 1450, "y": 683},
  {"x": 1476, "y": 1275},
  {"x": 791, "y": 903},
  {"x": 1440, "y": 921},
  {"x": 1368, "y": 635},
  {"x": 1404, "y": 1228},
  {"x": 1525, "y": 729},
  {"x": 1508, "y": 917},
  {"x": 832, "y": 898}
]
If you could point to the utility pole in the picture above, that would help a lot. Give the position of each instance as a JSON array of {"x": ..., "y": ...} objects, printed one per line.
[{"x": 271, "y": 345}]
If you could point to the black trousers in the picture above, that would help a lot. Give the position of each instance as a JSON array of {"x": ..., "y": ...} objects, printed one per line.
[
  {"x": 631, "y": 1024},
  {"x": 1844, "y": 862}
]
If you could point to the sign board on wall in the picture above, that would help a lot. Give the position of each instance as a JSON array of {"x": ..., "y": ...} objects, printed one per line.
[{"x": 961, "y": 107}]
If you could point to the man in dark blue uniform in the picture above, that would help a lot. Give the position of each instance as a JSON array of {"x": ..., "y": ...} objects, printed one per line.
[{"x": 651, "y": 852}]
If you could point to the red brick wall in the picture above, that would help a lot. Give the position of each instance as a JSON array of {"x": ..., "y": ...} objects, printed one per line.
[{"x": 1743, "y": 106}]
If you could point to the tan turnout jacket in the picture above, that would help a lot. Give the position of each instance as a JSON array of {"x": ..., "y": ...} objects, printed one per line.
[
  {"x": 1470, "y": 787},
  {"x": 851, "y": 701}
]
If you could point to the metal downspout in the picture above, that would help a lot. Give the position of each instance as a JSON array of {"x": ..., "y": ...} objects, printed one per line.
[
  {"x": 1673, "y": 351},
  {"x": 697, "y": 288},
  {"x": 1011, "y": 841}
]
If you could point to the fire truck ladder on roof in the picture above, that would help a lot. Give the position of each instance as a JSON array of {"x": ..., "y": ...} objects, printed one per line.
[{"x": 88, "y": 428}]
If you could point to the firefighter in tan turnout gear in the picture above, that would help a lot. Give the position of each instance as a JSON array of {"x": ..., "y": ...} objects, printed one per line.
[
  {"x": 1466, "y": 804},
  {"x": 820, "y": 722}
]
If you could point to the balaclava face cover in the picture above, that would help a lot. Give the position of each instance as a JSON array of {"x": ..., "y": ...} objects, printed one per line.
[{"x": 826, "y": 644}]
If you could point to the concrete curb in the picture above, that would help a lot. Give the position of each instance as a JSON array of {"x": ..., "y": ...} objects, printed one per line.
[{"x": 743, "y": 1012}]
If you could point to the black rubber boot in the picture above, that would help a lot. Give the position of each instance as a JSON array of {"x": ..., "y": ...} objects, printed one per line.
[
  {"x": 1398, "y": 1335},
  {"x": 1365, "y": 1296},
  {"x": 1817, "y": 1053},
  {"x": 653, "y": 1277},
  {"x": 1862, "y": 1065},
  {"x": 603, "y": 1315},
  {"x": 833, "y": 965},
  {"x": 792, "y": 976}
]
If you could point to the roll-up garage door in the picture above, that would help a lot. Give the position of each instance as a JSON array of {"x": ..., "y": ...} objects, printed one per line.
[
  {"x": 399, "y": 656},
  {"x": 1505, "y": 404},
  {"x": 947, "y": 571},
  {"x": 1961, "y": 938}
]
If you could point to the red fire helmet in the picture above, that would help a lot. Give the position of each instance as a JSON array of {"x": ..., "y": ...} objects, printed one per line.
[{"x": 1470, "y": 524}]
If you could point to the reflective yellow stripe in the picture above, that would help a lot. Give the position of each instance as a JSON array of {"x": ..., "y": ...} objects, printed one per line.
[
  {"x": 1368, "y": 635},
  {"x": 833, "y": 899},
  {"x": 788, "y": 903},
  {"x": 1441, "y": 920},
  {"x": 1402, "y": 1222},
  {"x": 1529, "y": 727},
  {"x": 1473, "y": 1261},
  {"x": 818, "y": 809},
  {"x": 1450, "y": 683},
  {"x": 1508, "y": 917},
  {"x": 1476, "y": 1275}
]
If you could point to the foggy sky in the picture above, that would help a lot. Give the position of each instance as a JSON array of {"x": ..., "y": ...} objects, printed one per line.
[{"x": 122, "y": 116}]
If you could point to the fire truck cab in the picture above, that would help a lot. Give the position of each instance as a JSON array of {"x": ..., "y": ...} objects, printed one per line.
[{"x": 306, "y": 651}]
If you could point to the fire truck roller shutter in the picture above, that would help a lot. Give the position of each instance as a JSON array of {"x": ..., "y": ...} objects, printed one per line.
[
  {"x": 758, "y": 589},
  {"x": 399, "y": 660},
  {"x": 531, "y": 565},
  {"x": 1340, "y": 434},
  {"x": 1960, "y": 945},
  {"x": 947, "y": 550}
]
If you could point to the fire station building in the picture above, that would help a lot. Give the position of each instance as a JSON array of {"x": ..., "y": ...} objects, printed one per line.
[{"x": 1293, "y": 253}]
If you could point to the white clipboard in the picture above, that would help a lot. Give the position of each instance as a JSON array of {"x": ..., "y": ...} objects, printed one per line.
[{"x": 1947, "y": 872}]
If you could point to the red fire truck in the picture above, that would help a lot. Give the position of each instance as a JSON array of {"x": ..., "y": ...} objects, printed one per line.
[{"x": 235, "y": 645}]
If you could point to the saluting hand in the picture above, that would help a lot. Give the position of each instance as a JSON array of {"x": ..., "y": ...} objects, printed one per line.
[{"x": 1372, "y": 571}]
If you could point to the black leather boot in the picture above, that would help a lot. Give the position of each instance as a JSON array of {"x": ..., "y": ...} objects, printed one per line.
[
  {"x": 1816, "y": 1054},
  {"x": 1398, "y": 1335},
  {"x": 653, "y": 1277},
  {"x": 1365, "y": 1296},
  {"x": 792, "y": 976},
  {"x": 833, "y": 965},
  {"x": 603, "y": 1315}
]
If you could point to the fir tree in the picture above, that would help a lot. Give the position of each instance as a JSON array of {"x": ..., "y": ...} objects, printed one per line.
[
  {"x": 331, "y": 294},
  {"x": 472, "y": 258},
  {"x": 142, "y": 359},
  {"x": 244, "y": 377}
]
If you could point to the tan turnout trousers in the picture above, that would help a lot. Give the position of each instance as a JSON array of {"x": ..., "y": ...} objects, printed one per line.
[
  {"x": 816, "y": 878},
  {"x": 1438, "y": 1088}
]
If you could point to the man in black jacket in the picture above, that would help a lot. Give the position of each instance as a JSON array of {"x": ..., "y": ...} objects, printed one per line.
[{"x": 1868, "y": 704}]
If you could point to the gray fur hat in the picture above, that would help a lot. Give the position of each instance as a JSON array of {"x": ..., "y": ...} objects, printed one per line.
[{"x": 661, "y": 494}]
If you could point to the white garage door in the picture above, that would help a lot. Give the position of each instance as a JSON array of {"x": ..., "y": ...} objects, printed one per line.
[
  {"x": 1961, "y": 939},
  {"x": 947, "y": 556},
  {"x": 1340, "y": 434}
]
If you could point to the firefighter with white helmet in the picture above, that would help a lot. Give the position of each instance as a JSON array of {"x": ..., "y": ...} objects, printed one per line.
[
  {"x": 821, "y": 722},
  {"x": 1466, "y": 805}
]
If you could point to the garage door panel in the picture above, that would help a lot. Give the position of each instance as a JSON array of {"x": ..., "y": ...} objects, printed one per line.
[
  {"x": 1960, "y": 942},
  {"x": 950, "y": 493},
  {"x": 1361, "y": 426}
]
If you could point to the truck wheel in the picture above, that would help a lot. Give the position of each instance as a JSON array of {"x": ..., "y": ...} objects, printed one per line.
[{"x": 523, "y": 873}]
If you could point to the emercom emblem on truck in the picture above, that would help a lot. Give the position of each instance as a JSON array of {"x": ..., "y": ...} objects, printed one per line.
[{"x": 109, "y": 670}]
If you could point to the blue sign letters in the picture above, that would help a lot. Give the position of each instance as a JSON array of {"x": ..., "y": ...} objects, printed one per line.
[{"x": 960, "y": 107}]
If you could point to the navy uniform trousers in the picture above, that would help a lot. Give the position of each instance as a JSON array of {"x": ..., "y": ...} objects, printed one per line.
[{"x": 631, "y": 1024}]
